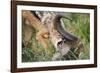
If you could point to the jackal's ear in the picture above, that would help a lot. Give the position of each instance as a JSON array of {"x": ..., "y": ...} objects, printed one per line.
[
  {"x": 39, "y": 14},
  {"x": 36, "y": 15}
]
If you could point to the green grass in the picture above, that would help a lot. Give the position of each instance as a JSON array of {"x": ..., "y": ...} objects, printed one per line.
[{"x": 79, "y": 26}]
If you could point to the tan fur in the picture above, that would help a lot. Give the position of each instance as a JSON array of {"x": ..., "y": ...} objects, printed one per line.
[{"x": 32, "y": 21}]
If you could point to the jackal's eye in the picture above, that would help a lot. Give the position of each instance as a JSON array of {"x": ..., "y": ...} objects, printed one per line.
[{"x": 60, "y": 44}]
